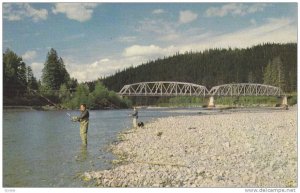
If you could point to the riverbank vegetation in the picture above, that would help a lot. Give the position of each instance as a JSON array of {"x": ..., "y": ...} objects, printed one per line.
[
  {"x": 56, "y": 88},
  {"x": 242, "y": 101}
]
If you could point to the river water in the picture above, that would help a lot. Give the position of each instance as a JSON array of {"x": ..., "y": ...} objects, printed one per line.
[{"x": 43, "y": 148}]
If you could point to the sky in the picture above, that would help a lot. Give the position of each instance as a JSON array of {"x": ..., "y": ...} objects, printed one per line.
[{"x": 97, "y": 39}]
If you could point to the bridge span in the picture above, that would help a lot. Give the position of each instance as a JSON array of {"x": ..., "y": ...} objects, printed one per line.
[
  {"x": 170, "y": 88},
  {"x": 245, "y": 89},
  {"x": 163, "y": 88}
]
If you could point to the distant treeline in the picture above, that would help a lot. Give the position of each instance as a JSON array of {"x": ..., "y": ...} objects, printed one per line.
[{"x": 273, "y": 64}]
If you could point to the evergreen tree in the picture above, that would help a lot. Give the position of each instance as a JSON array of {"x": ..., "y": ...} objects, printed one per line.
[
  {"x": 268, "y": 75},
  {"x": 275, "y": 74},
  {"x": 281, "y": 80},
  {"x": 251, "y": 77},
  {"x": 14, "y": 74},
  {"x": 54, "y": 72},
  {"x": 31, "y": 80},
  {"x": 72, "y": 84}
]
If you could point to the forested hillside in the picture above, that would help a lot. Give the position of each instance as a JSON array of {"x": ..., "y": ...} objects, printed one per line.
[{"x": 274, "y": 64}]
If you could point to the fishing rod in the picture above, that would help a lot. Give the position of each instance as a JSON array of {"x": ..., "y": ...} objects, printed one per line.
[
  {"x": 49, "y": 101},
  {"x": 71, "y": 118},
  {"x": 37, "y": 93}
]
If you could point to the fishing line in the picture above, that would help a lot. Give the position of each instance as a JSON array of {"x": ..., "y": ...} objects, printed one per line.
[
  {"x": 47, "y": 99},
  {"x": 36, "y": 92}
]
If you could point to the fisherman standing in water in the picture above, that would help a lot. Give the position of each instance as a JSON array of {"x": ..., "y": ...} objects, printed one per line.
[
  {"x": 135, "y": 117},
  {"x": 84, "y": 123}
]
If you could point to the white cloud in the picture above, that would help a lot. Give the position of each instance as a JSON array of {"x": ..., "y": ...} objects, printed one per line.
[
  {"x": 20, "y": 11},
  {"x": 187, "y": 16},
  {"x": 151, "y": 50},
  {"x": 104, "y": 60},
  {"x": 37, "y": 68},
  {"x": 76, "y": 11},
  {"x": 158, "y": 11},
  {"x": 29, "y": 55},
  {"x": 234, "y": 9},
  {"x": 281, "y": 30},
  {"x": 101, "y": 68}
]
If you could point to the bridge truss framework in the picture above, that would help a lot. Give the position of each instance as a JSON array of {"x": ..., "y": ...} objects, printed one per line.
[
  {"x": 164, "y": 88},
  {"x": 245, "y": 89}
]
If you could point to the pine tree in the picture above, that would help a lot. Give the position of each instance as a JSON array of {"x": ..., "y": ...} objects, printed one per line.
[
  {"x": 281, "y": 78},
  {"x": 14, "y": 74},
  {"x": 268, "y": 75},
  {"x": 30, "y": 79},
  {"x": 54, "y": 72},
  {"x": 275, "y": 74},
  {"x": 251, "y": 77}
]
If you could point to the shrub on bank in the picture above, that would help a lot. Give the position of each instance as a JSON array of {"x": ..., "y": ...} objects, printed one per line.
[{"x": 247, "y": 101}]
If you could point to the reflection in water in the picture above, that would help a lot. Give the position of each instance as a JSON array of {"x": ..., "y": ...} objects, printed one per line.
[{"x": 83, "y": 154}]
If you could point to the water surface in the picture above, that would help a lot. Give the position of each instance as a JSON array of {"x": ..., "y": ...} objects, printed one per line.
[{"x": 43, "y": 148}]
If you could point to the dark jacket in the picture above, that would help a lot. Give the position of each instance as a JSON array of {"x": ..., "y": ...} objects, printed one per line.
[{"x": 84, "y": 116}]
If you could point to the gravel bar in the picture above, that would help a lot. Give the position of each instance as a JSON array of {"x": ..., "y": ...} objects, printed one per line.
[{"x": 240, "y": 149}]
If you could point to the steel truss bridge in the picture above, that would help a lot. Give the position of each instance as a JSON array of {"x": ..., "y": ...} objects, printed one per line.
[
  {"x": 245, "y": 89},
  {"x": 163, "y": 88},
  {"x": 166, "y": 88}
]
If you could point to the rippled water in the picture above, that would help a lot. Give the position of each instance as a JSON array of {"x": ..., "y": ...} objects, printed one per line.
[{"x": 42, "y": 148}]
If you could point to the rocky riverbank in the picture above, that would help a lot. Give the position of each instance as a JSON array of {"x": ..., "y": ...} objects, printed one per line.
[{"x": 239, "y": 149}]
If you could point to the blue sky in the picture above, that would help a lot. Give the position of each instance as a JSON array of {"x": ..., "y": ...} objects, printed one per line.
[{"x": 97, "y": 39}]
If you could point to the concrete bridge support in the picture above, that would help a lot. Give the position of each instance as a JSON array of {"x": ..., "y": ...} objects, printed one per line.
[
  {"x": 211, "y": 102},
  {"x": 284, "y": 102}
]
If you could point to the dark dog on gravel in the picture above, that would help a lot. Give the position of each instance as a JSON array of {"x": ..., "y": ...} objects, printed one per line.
[{"x": 141, "y": 124}]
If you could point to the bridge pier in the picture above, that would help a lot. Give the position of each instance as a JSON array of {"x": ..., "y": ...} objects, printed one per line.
[
  {"x": 284, "y": 102},
  {"x": 211, "y": 102}
]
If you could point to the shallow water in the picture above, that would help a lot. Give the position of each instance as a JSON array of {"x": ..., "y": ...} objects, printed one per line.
[{"x": 43, "y": 148}]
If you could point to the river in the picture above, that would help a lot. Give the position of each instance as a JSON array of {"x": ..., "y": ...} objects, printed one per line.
[{"x": 43, "y": 148}]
